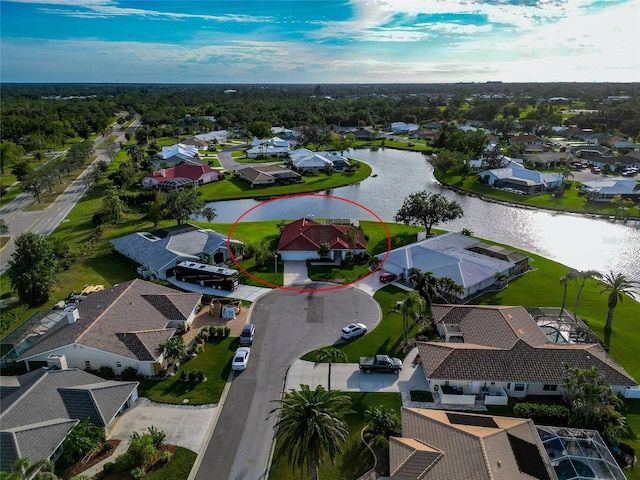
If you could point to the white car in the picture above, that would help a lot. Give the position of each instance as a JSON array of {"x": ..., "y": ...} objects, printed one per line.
[
  {"x": 240, "y": 358},
  {"x": 354, "y": 330}
]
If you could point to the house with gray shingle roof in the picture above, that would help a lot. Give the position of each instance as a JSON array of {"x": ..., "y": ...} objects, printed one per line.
[
  {"x": 438, "y": 444},
  {"x": 159, "y": 252},
  {"x": 490, "y": 352},
  {"x": 39, "y": 409},
  {"x": 522, "y": 179},
  {"x": 610, "y": 187},
  {"x": 469, "y": 262},
  {"x": 119, "y": 327}
]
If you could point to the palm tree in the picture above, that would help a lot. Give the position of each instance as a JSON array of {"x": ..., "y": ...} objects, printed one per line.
[
  {"x": 311, "y": 426},
  {"x": 412, "y": 306},
  {"x": 330, "y": 355},
  {"x": 564, "y": 281},
  {"x": 618, "y": 285},
  {"x": 174, "y": 348},
  {"x": 352, "y": 236},
  {"x": 583, "y": 276},
  {"x": 425, "y": 284},
  {"x": 448, "y": 287},
  {"x": 501, "y": 278},
  {"x": 23, "y": 469}
]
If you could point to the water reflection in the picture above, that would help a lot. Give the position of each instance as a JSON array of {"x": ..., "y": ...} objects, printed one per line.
[{"x": 578, "y": 242}]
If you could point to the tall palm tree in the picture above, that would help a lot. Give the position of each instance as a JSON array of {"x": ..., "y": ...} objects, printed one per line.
[
  {"x": 583, "y": 276},
  {"x": 425, "y": 284},
  {"x": 352, "y": 235},
  {"x": 618, "y": 285},
  {"x": 330, "y": 355},
  {"x": 23, "y": 469},
  {"x": 311, "y": 426},
  {"x": 564, "y": 281},
  {"x": 412, "y": 306}
]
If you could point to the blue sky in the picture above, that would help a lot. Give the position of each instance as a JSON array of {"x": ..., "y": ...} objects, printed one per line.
[{"x": 308, "y": 41}]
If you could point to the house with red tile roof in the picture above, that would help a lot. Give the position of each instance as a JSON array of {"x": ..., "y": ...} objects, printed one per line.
[
  {"x": 300, "y": 240},
  {"x": 180, "y": 175}
]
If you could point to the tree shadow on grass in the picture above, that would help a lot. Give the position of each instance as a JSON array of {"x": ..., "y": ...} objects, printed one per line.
[{"x": 356, "y": 460}]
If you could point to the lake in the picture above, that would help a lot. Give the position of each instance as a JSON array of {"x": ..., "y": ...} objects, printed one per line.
[{"x": 583, "y": 243}]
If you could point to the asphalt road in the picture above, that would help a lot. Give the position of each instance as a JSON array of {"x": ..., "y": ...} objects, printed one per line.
[
  {"x": 288, "y": 324},
  {"x": 46, "y": 221}
]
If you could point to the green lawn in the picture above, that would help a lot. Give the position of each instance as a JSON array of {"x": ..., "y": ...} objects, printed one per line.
[
  {"x": 178, "y": 467},
  {"x": 571, "y": 201},
  {"x": 233, "y": 187},
  {"x": 214, "y": 361},
  {"x": 356, "y": 459}
]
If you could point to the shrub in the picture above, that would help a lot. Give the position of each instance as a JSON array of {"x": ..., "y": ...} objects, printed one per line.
[
  {"x": 129, "y": 373},
  {"x": 158, "y": 436},
  {"x": 107, "y": 447},
  {"x": 380, "y": 441},
  {"x": 184, "y": 376},
  {"x": 106, "y": 372},
  {"x": 165, "y": 456},
  {"x": 108, "y": 467},
  {"x": 557, "y": 415},
  {"x": 227, "y": 331},
  {"x": 124, "y": 462},
  {"x": 137, "y": 473}
]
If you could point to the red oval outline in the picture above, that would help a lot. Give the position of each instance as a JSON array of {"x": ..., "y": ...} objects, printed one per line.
[{"x": 293, "y": 289}]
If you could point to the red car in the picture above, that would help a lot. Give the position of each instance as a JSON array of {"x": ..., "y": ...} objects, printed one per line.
[{"x": 388, "y": 277}]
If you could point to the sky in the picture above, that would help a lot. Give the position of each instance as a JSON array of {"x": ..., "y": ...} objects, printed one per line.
[{"x": 328, "y": 41}]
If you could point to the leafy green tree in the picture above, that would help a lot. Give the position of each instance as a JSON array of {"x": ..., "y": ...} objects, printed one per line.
[
  {"x": 9, "y": 154},
  {"x": 564, "y": 281},
  {"x": 158, "y": 436},
  {"x": 21, "y": 168},
  {"x": 83, "y": 439},
  {"x": 324, "y": 250},
  {"x": 174, "y": 348},
  {"x": 428, "y": 209},
  {"x": 311, "y": 426},
  {"x": 182, "y": 203},
  {"x": 617, "y": 285},
  {"x": 34, "y": 183},
  {"x": 110, "y": 148},
  {"x": 330, "y": 355},
  {"x": 382, "y": 420},
  {"x": 582, "y": 277},
  {"x": 25, "y": 470},
  {"x": 32, "y": 268},
  {"x": 263, "y": 255},
  {"x": 113, "y": 207},
  {"x": 156, "y": 209},
  {"x": 501, "y": 278},
  {"x": 260, "y": 129}
]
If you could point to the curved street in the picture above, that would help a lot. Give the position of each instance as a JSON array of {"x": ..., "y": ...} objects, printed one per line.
[
  {"x": 47, "y": 220},
  {"x": 288, "y": 324}
]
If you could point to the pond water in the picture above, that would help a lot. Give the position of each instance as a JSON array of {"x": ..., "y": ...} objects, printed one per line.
[{"x": 574, "y": 240}]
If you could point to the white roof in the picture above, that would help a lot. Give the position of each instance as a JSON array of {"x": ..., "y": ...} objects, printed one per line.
[
  {"x": 178, "y": 149},
  {"x": 611, "y": 186},
  {"x": 215, "y": 135}
]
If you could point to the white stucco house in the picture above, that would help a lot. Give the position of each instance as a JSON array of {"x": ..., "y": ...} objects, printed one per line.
[
  {"x": 119, "y": 327},
  {"x": 269, "y": 147},
  {"x": 304, "y": 160},
  {"x": 521, "y": 179}
]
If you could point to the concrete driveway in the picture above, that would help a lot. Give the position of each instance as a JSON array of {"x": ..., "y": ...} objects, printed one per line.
[
  {"x": 295, "y": 271},
  {"x": 288, "y": 324},
  {"x": 185, "y": 426}
]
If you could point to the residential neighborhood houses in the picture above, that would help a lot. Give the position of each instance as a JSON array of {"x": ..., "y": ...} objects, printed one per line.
[{"x": 463, "y": 357}]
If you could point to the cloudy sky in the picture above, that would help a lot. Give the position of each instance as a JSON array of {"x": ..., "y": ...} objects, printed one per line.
[{"x": 327, "y": 41}]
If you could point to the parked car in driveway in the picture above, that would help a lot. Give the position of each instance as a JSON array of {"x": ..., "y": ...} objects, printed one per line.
[
  {"x": 353, "y": 330},
  {"x": 388, "y": 277},
  {"x": 246, "y": 336},
  {"x": 240, "y": 358}
]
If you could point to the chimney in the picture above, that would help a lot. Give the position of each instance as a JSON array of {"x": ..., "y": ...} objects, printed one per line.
[
  {"x": 163, "y": 172},
  {"x": 57, "y": 362},
  {"x": 72, "y": 316}
]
